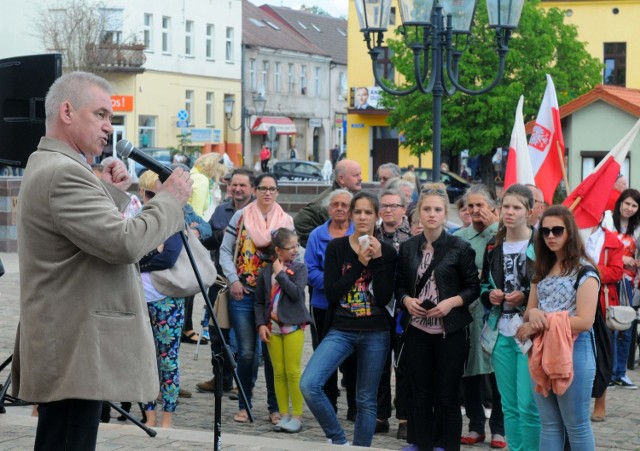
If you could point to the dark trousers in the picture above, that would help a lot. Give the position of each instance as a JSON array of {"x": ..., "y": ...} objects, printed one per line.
[
  {"x": 435, "y": 365},
  {"x": 188, "y": 313},
  {"x": 69, "y": 425},
  {"x": 264, "y": 165},
  {"x": 318, "y": 326},
  {"x": 474, "y": 394},
  {"x": 216, "y": 344},
  {"x": 403, "y": 386},
  {"x": 384, "y": 387}
]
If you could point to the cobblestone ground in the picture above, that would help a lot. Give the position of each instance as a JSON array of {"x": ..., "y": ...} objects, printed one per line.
[{"x": 194, "y": 416}]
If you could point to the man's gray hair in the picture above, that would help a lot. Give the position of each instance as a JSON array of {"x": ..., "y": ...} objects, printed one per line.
[
  {"x": 335, "y": 193},
  {"x": 393, "y": 192},
  {"x": 483, "y": 190},
  {"x": 72, "y": 87},
  {"x": 394, "y": 168}
]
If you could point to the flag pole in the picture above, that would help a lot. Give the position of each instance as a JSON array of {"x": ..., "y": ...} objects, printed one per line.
[
  {"x": 564, "y": 169},
  {"x": 575, "y": 203}
]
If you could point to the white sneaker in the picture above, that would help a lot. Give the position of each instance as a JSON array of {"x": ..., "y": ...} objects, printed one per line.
[
  {"x": 330, "y": 442},
  {"x": 625, "y": 382}
]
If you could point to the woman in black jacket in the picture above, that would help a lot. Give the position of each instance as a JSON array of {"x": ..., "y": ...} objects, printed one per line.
[{"x": 436, "y": 281}]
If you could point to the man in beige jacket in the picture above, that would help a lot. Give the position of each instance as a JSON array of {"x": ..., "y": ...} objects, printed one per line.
[{"x": 84, "y": 332}]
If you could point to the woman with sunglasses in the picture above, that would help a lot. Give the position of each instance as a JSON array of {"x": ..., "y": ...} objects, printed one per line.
[
  {"x": 249, "y": 232},
  {"x": 626, "y": 222},
  {"x": 562, "y": 299},
  {"x": 436, "y": 281},
  {"x": 506, "y": 276},
  {"x": 358, "y": 281}
]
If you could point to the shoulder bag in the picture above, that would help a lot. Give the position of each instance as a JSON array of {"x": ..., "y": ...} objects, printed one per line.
[
  {"x": 180, "y": 281},
  {"x": 618, "y": 317}
]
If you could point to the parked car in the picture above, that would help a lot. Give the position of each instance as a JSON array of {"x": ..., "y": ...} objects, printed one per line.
[
  {"x": 160, "y": 154},
  {"x": 298, "y": 170},
  {"x": 456, "y": 185}
]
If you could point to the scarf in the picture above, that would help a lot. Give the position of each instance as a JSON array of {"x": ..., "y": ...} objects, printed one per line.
[{"x": 259, "y": 229}]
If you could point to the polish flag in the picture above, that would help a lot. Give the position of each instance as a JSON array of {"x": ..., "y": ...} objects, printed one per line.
[
  {"x": 589, "y": 199},
  {"x": 518, "y": 161},
  {"x": 544, "y": 142}
]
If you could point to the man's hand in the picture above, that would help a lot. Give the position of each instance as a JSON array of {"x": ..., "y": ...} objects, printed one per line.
[
  {"x": 237, "y": 290},
  {"x": 179, "y": 185},
  {"x": 115, "y": 173}
]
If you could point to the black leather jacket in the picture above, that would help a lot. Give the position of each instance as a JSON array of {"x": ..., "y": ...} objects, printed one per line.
[{"x": 455, "y": 274}]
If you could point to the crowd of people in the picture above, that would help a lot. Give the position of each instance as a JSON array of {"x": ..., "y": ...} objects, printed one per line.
[{"x": 496, "y": 312}]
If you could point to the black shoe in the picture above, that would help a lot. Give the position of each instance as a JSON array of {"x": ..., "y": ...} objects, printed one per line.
[
  {"x": 402, "y": 431},
  {"x": 126, "y": 406},
  {"x": 351, "y": 414},
  {"x": 105, "y": 415},
  {"x": 382, "y": 426}
]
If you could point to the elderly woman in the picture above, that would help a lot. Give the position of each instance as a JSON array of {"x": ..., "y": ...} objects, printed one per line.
[
  {"x": 166, "y": 314},
  {"x": 249, "y": 232},
  {"x": 337, "y": 226}
]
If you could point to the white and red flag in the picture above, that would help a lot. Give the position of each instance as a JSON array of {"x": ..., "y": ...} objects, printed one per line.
[
  {"x": 546, "y": 138},
  {"x": 589, "y": 199},
  {"x": 518, "y": 161}
]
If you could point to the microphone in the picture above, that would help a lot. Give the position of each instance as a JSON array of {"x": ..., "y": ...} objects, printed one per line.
[{"x": 125, "y": 149}]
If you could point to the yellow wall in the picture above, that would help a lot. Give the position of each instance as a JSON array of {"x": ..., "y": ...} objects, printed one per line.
[
  {"x": 598, "y": 24},
  {"x": 360, "y": 73}
]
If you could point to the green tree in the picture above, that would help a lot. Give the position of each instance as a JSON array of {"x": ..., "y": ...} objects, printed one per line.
[
  {"x": 542, "y": 44},
  {"x": 315, "y": 9}
]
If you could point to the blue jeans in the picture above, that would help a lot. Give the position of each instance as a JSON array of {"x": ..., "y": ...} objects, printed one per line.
[
  {"x": 243, "y": 321},
  {"x": 371, "y": 349},
  {"x": 621, "y": 346},
  {"x": 571, "y": 410}
]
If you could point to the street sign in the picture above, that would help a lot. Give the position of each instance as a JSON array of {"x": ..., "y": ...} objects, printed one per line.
[
  {"x": 183, "y": 115},
  {"x": 181, "y": 124},
  {"x": 272, "y": 134}
]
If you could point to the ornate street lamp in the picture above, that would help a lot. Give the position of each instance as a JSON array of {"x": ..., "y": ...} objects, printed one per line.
[
  {"x": 259, "y": 102},
  {"x": 432, "y": 30}
]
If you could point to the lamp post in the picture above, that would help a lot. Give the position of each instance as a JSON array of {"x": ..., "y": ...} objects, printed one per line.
[
  {"x": 432, "y": 30},
  {"x": 259, "y": 103}
]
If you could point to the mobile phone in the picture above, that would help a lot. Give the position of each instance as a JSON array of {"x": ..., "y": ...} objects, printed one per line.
[
  {"x": 428, "y": 305},
  {"x": 364, "y": 241}
]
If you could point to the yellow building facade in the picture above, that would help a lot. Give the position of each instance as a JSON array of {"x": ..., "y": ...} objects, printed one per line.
[
  {"x": 610, "y": 31},
  {"x": 370, "y": 140}
]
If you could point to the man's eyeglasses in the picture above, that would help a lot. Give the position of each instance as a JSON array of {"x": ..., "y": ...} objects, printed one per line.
[
  {"x": 149, "y": 194},
  {"x": 556, "y": 231},
  {"x": 392, "y": 207},
  {"x": 264, "y": 189}
]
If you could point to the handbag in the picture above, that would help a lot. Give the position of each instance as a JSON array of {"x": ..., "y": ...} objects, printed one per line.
[
  {"x": 618, "y": 317},
  {"x": 180, "y": 280},
  {"x": 221, "y": 305}
]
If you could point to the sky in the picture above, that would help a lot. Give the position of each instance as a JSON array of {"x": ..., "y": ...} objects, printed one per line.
[{"x": 337, "y": 8}]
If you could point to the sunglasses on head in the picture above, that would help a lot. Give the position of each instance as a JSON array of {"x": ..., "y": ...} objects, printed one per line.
[
  {"x": 436, "y": 191},
  {"x": 557, "y": 231}
]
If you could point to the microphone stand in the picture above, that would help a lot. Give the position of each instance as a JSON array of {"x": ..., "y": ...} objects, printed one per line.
[{"x": 220, "y": 358}]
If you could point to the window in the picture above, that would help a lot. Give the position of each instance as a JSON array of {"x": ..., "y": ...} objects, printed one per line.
[
  {"x": 209, "y": 42},
  {"x": 342, "y": 85},
  {"x": 228, "y": 54},
  {"x": 148, "y": 31},
  {"x": 265, "y": 75},
  {"x": 384, "y": 65},
  {"x": 252, "y": 76},
  {"x": 188, "y": 104},
  {"x": 188, "y": 38},
  {"x": 278, "y": 79},
  {"x": 291, "y": 80},
  {"x": 166, "y": 34},
  {"x": 303, "y": 79},
  {"x": 147, "y": 130},
  {"x": 209, "y": 109},
  {"x": 615, "y": 63},
  {"x": 317, "y": 82},
  {"x": 112, "y": 23}
]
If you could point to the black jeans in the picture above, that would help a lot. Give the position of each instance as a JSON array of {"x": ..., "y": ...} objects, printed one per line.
[
  {"x": 68, "y": 425},
  {"x": 319, "y": 322},
  {"x": 474, "y": 393},
  {"x": 384, "y": 387},
  {"x": 435, "y": 365},
  {"x": 188, "y": 314}
]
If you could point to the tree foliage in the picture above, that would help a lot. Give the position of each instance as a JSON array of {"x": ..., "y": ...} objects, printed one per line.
[
  {"x": 68, "y": 29},
  {"x": 542, "y": 44},
  {"x": 315, "y": 9}
]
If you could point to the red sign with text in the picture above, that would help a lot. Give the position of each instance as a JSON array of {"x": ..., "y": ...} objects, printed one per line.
[{"x": 122, "y": 103}]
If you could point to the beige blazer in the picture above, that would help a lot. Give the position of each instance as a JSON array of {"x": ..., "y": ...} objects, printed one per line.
[{"x": 84, "y": 328}]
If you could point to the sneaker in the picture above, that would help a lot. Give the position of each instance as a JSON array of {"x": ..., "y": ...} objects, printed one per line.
[
  {"x": 293, "y": 426},
  {"x": 206, "y": 386},
  {"x": 284, "y": 420},
  {"x": 625, "y": 382},
  {"x": 612, "y": 384},
  {"x": 205, "y": 334}
]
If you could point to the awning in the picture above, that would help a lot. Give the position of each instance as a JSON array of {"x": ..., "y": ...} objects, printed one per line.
[{"x": 283, "y": 125}]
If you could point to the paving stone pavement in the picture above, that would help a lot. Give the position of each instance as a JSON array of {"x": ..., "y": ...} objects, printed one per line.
[{"x": 194, "y": 417}]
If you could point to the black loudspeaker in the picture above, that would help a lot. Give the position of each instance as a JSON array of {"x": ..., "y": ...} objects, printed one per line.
[{"x": 24, "y": 82}]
